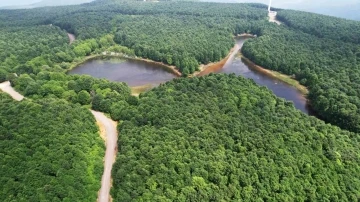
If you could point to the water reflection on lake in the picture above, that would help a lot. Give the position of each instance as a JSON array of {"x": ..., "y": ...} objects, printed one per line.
[{"x": 132, "y": 72}]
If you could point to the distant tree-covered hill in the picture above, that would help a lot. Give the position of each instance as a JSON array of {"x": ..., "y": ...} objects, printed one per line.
[{"x": 45, "y": 3}]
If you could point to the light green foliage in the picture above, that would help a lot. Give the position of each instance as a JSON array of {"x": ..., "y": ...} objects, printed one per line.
[
  {"x": 73, "y": 88},
  {"x": 46, "y": 149},
  {"x": 84, "y": 97},
  {"x": 107, "y": 40}
]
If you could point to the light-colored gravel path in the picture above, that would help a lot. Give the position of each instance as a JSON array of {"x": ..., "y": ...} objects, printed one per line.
[
  {"x": 7, "y": 88},
  {"x": 108, "y": 127},
  {"x": 108, "y": 133},
  {"x": 71, "y": 37},
  {"x": 272, "y": 18}
]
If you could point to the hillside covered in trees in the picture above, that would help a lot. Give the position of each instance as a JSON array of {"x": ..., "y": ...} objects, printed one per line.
[
  {"x": 215, "y": 138},
  {"x": 185, "y": 34},
  {"x": 222, "y": 138},
  {"x": 49, "y": 151},
  {"x": 323, "y": 53}
]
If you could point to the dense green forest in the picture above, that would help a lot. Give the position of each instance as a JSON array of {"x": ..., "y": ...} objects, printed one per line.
[
  {"x": 330, "y": 68},
  {"x": 50, "y": 150},
  {"x": 216, "y": 138},
  {"x": 223, "y": 138},
  {"x": 322, "y": 26},
  {"x": 100, "y": 94},
  {"x": 19, "y": 46},
  {"x": 211, "y": 27}
]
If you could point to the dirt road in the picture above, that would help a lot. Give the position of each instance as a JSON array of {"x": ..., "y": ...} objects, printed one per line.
[
  {"x": 110, "y": 131},
  {"x": 71, "y": 38},
  {"x": 7, "y": 88},
  {"x": 272, "y": 18},
  {"x": 107, "y": 127}
]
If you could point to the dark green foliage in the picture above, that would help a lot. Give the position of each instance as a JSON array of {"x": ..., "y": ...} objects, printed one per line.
[
  {"x": 217, "y": 138},
  {"x": 3, "y": 75},
  {"x": 322, "y": 26},
  {"x": 49, "y": 151},
  {"x": 31, "y": 45},
  {"x": 329, "y": 68},
  {"x": 183, "y": 34},
  {"x": 166, "y": 39},
  {"x": 222, "y": 138},
  {"x": 82, "y": 24}
]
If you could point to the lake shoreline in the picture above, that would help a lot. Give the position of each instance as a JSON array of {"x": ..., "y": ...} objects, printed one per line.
[
  {"x": 214, "y": 65},
  {"x": 172, "y": 68},
  {"x": 73, "y": 65},
  {"x": 205, "y": 69},
  {"x": 282, "y": 77}
]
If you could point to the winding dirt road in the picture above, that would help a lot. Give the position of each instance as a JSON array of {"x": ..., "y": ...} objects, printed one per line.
[
  {"x": 107, "y": 131},
  {"x": 7, "y": 88},
  {"x": 108, "y": 128}
]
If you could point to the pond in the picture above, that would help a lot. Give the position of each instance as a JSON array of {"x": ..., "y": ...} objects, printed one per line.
[{"x": 132, "y": 72}]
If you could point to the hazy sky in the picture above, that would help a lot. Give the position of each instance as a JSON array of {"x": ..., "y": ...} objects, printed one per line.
[
  {"x": 278, "y": 3},
  {"x": 307, "y": 3},
  {"x": 17, "y": 2},
  {"x": 21, "y": 3},
  {"x": 341, "y": 8}
]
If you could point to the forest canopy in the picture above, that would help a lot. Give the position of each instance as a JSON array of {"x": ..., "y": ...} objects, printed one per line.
[
  {"x": 50, "y": 151},
  {"x": 223, "y": 138},
  {"x": 214, "y": 138},
  {"x": 327, "y": 65}
]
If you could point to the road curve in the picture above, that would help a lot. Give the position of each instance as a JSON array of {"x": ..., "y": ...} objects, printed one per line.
[
  {"x": 7, "y": 88},
  {"x": 109, "y": 127},
  {"x": 111, "y": 148}
]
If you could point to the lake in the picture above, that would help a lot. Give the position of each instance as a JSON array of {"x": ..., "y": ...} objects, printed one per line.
[
  {"x": 140, "y": 73},
  {"x": 132, "y": 72}
]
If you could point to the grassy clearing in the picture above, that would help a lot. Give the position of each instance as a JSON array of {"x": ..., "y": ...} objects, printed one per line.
[{"x": 135, "y": 91}]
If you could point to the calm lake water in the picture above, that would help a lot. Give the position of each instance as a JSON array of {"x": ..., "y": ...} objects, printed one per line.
[
  {"x": 138, "y": 73},
  {"x": 237, "y": 66},
  {"x": 132, "y": 72}
]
